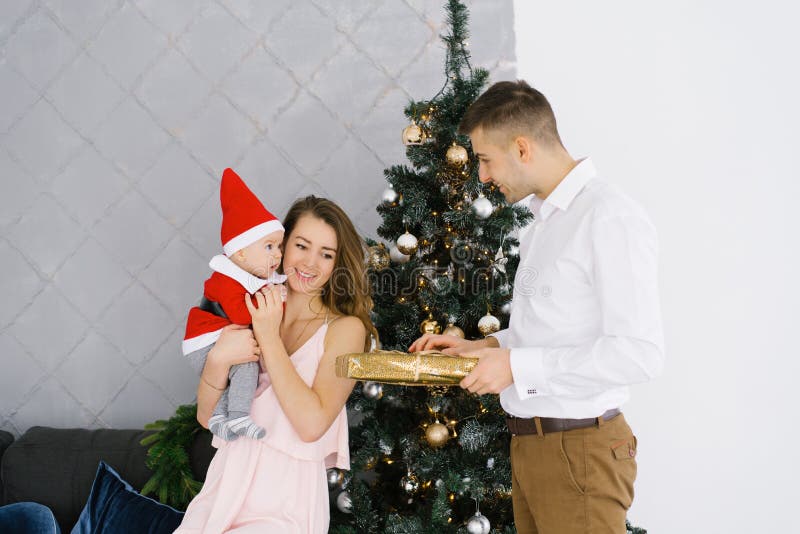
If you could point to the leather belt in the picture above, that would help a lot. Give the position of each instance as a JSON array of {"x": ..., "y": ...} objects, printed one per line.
[{"x": 547, "y": 425}]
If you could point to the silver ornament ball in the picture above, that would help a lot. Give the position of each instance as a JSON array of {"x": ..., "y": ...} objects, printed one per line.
[
  {"x": 344, "y": 503},
  {"x": 513, "y": 250},
  {"x": 335, "y": 478},
  {"x": 482, "y": 207},
  {"x": 389, "y": 195},
  {"x": 478, "y": 524},
  {"x": 372, "y": 390},
  {"x": 409, "y": 483},
  {"x": 506, "y": 308}
]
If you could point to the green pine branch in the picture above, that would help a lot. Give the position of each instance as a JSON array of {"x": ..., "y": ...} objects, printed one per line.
[{"x": 172, "y": 482}]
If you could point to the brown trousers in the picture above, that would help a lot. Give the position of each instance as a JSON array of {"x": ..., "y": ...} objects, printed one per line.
[{"x": 574, "y": 482}]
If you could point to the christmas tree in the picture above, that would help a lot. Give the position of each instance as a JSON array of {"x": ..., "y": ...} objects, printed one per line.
[{"x": 434, "y": 459}]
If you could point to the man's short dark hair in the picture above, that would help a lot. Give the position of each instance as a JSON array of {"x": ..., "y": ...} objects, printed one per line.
[{"x": 510, "y": 109}]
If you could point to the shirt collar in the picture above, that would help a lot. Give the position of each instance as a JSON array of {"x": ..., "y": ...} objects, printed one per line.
[
  {"x": 566, "y": 191},
  {"x": 252, "y": 283}
]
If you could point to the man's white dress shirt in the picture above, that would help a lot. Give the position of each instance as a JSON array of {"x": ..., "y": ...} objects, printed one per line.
[{"x": 585, "y": 319}]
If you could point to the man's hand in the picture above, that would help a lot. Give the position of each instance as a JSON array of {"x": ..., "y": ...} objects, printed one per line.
[
  {"x": 492, "y": 374},
  {"x": 452, "y": 345}
]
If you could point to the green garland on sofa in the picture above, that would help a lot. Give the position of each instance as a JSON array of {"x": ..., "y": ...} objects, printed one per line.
[{"x": 168, "y": 457}]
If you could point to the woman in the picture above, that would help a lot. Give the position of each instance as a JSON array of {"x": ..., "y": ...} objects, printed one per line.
[{"x": 278, "y": 483}]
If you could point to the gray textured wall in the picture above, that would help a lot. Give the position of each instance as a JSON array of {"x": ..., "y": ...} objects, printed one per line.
[{"x": 116, "y": 120}]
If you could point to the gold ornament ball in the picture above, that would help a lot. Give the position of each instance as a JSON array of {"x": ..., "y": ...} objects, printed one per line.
[
  {"x": 453, "y": 330},
  {"x": 378, "y": 257},
  {"x": 407, "y": 244},
  {"x": 398, "y": 257},
  {"x": 457, "y": 155},
  {"x": 489, "y": 324},
  {"x": 429, "y": 326},
  {"x": 413, "y": 135},
  {"x": 437, "y": 435}
]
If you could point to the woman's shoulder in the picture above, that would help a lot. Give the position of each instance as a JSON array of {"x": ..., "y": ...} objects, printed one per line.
[
  {"x": 346, "y": 323},
  {"x": 343, "y": 328}
]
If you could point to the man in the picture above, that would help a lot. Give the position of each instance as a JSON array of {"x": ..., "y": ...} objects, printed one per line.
[{"x": 585, "y": 321}]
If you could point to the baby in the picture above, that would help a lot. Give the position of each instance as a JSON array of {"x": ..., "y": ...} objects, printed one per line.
[{"x": 251, "y": 240}]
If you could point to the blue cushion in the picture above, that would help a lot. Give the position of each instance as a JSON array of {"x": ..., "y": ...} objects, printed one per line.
[
  {"x": 27, "y": 518},
  {"x": 115, "y": 507}
]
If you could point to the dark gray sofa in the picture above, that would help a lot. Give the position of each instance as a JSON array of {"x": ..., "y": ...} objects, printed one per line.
[{"x": 56, "y": 467}]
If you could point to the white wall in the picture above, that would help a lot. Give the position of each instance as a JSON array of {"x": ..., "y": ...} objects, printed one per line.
[
  {"x": 693, "y": 108},
  {"x": 115, "y": 125}
]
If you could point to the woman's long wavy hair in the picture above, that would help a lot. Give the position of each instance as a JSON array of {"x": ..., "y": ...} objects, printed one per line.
[{"x": 348, "y": 291}]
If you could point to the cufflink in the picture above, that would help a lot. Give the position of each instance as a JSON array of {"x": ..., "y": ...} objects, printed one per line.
[{"x": 531, "y": 392}]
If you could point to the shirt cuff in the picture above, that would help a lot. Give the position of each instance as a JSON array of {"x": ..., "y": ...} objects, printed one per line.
[
  {"x": 527, "y": 370},
  {"x": 501, "y": 336}
]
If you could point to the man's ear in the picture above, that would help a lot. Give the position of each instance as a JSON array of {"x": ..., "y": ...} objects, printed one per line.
[{"x": 524, "y": 148}]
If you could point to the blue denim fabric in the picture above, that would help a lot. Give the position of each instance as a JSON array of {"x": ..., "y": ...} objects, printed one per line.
[{"x": 27, "y": 518}]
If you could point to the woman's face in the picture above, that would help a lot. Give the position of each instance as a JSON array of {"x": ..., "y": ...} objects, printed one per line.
[{"x": 309, "y": 254}]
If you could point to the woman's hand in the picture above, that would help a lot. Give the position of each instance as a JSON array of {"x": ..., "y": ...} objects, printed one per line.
[
  {"x": 267, "y": 314},
  {"x": 236, "y": 344}
]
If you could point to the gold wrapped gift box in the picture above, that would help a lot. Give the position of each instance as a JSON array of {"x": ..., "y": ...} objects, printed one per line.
[{"x": 427, "y": 368}]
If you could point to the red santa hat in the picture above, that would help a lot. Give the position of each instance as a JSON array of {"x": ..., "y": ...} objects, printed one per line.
[{"x": 245, "y": 220}]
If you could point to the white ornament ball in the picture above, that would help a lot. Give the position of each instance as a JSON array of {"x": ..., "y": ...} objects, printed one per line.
[
  {"x": 482, "y": 207},
  {"x": 489, "y": 324},
  {"x": 513, "y": 250},
  {"x": 407, "y": 243},
  {"x": 389, "y": 195},
  {"x": 398, "y": 257},
  {"x": 478, "y": 524},
  {"x": 344, "y": 503},
  {"x": 372, "y": 390},
  {"x": 506, "y": 308}
]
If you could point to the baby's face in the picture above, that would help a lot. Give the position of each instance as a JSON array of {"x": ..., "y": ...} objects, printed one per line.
[{"x": 262, "y": 257}]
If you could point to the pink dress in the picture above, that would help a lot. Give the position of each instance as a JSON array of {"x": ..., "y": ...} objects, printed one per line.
[{"x": 276, "y": 484}]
